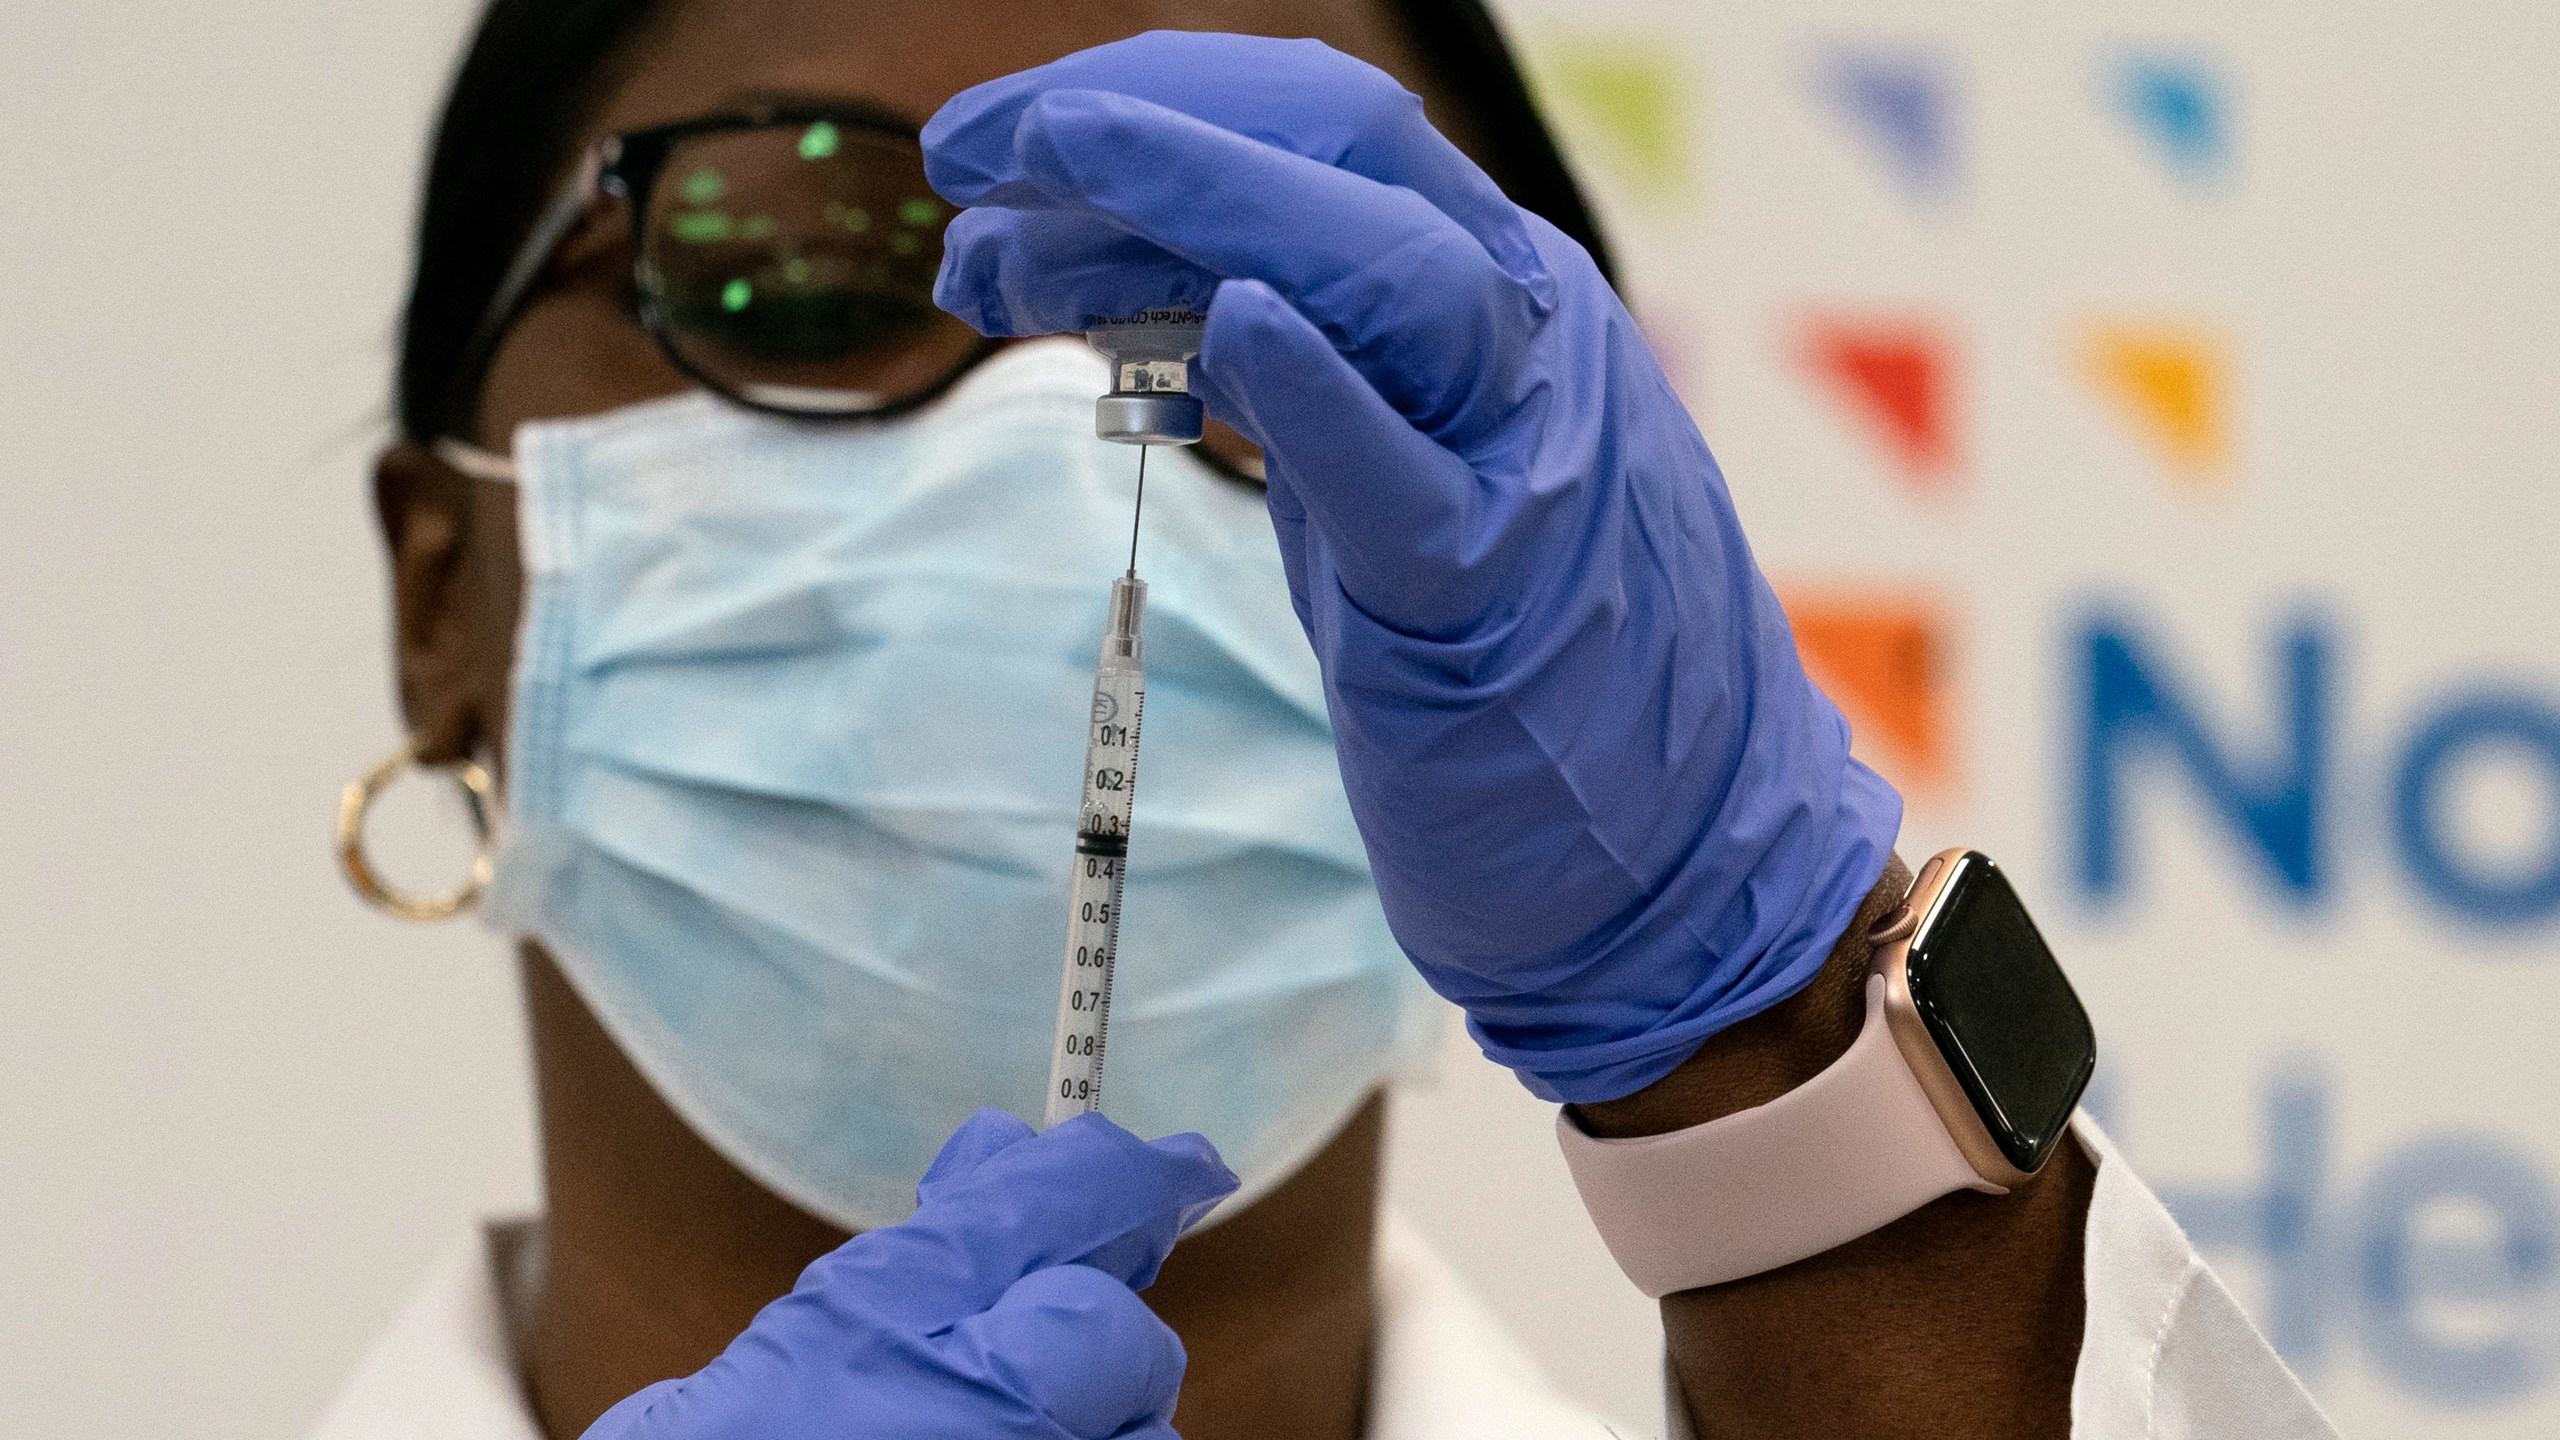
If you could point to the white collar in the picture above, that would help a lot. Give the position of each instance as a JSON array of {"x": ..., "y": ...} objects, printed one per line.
[{"x": 1446, "y": 1369}]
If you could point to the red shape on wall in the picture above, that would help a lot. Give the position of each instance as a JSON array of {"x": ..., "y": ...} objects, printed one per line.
[{"x": 1897, "y": 376}]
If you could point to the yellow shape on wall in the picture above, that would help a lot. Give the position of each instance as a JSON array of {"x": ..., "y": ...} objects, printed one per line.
[
  {"x": 1628, "y": 97},
  {"x": 2172, "y": 385}
]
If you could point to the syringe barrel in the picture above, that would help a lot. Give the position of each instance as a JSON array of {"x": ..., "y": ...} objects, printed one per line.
[{"x": 1103, "y": 815}]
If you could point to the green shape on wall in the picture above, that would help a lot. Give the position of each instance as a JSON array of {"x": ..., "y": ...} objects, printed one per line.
[{"x": 1625, "y": 99}]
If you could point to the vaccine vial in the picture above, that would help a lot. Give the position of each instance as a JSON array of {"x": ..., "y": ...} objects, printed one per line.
[{"x": 1150, "y": 401}]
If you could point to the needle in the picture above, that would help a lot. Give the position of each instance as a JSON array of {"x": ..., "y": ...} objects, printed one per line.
[{"x": 1140, "y": 510}]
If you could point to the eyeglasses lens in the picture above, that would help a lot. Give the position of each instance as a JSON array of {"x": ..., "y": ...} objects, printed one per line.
[{"x": 793, "y": 266}]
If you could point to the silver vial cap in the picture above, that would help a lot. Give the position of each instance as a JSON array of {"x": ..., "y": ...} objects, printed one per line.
[{"x": 1163, "y": 418}]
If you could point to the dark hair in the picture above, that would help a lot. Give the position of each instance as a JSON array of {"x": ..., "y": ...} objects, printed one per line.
[{"x": 537, "y": 68}]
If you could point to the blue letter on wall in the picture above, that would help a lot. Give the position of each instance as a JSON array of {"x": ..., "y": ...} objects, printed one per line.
[
  {"x": 2136, "y": 711},
  {"x": 2520, "y": 723}
]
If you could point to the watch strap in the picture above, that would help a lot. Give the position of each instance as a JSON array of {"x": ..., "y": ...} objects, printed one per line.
[{"x": 1846, "y": 1153}]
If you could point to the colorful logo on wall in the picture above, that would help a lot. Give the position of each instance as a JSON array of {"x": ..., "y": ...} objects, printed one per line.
[
  {"x": 2178, "y": 105},
  {"x": 1626, "y": 101},
  {"x": 2421, "y": 1255},
  {"x": 2169, "y": 383},
  {"x": 1898, "y": 377},
  {"x": 1900, "y": 105},
  {"x": 1883, "y": 658}
]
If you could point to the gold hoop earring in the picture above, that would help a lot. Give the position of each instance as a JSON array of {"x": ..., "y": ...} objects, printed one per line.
[{"x": 358, "y": 798}]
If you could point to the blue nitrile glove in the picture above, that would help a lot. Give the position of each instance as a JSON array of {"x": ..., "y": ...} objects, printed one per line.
[
  {"x": 1004, "y": 1309},
  {"x": 1608, "y": 813}
]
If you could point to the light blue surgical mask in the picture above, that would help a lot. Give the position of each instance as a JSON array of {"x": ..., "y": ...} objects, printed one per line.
[{"x": 792, "y": 784}]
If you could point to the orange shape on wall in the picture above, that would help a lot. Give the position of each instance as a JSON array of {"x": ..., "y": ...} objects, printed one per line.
[
  {"x": 2169, "y": 383},
  {"x": 1896, "y": 375},
  {"x": 1883, "y": 659}
]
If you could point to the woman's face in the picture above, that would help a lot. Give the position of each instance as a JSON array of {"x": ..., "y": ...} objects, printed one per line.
[{"x": 576, "y": 348}]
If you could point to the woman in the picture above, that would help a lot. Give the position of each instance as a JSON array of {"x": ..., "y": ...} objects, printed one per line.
[{"x": 759, "y": 578}]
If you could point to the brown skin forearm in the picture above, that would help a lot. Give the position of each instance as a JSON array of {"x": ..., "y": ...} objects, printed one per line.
[{"x": 1962, "y": 1319}]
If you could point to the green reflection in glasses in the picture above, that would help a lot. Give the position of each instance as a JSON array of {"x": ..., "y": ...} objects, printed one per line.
[
  {"x": 702, "y": 227},
  {"x": 711, "y": 227},
  {"x": 917, "y": 214},
  {"x": 704, "y": 187},
  {"x": 818, "y": 141},
  {"x": 736, "y": 295}
]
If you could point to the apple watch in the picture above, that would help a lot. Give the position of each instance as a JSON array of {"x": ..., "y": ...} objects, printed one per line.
[{"x": 1964, "y": 1076}]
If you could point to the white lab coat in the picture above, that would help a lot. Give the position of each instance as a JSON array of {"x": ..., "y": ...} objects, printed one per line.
[{"x": 2166, "y": 1354}]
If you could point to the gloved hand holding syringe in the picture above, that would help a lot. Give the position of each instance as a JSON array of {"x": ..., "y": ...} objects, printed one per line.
[{"x": 1149, "y": 404}]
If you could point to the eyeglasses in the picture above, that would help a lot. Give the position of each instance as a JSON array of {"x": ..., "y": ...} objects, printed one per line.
[{"x": 782, "y": 256}]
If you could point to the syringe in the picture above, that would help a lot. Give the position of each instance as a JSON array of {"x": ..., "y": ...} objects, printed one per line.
[
  {"x": 1150, "y": 404},
  {"x": 1101, "y": 859}
]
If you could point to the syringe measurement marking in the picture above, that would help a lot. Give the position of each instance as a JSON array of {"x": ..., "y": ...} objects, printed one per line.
[{"x": 1102, "y": 847}]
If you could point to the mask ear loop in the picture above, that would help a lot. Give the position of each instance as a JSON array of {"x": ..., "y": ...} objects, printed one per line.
[
  {"x": 470, "y": 460},
  {"x": 357, "y": 800}
]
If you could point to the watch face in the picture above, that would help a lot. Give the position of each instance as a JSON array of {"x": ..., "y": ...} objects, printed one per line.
[{"x": 2001, "y": 1012}]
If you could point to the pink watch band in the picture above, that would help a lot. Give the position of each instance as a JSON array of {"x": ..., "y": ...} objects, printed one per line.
[{"x": 1848, "y": 1152}]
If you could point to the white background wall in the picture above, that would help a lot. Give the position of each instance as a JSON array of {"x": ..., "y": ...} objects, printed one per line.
[{"x": 238, "y": 1113}]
